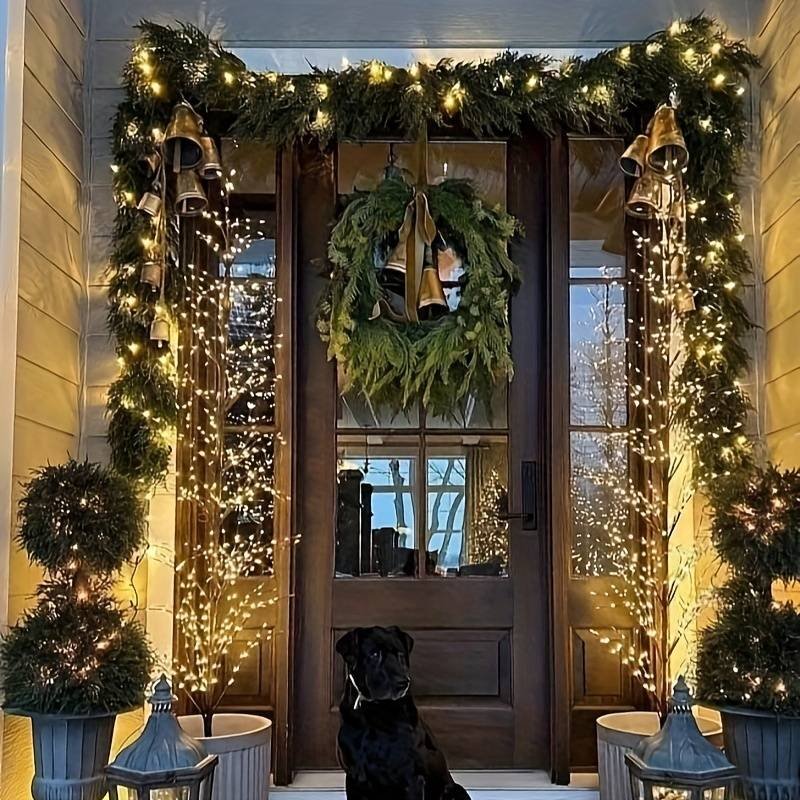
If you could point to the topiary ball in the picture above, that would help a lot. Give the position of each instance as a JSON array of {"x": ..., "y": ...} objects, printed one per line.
[
  {"x": 758, "y": 532},
  {"x": 80, "y": 514},
  {"x": 75, "y": 656}
]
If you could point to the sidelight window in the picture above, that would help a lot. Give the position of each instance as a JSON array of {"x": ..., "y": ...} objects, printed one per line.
[{"x": 599, "y": 363}]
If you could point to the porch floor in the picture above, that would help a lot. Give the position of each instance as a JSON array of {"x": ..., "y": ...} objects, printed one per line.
[{"x": 482, "y": 785}]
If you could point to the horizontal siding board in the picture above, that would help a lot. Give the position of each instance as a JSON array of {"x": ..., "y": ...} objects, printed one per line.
[
  {"x": 777, "y": 38},
  {"x": 49, "y": 289},
  {"x": 61, "y": 29},
  {"x": 779, "y": 83},
  {"x": 99, "y": 248},
  {"x": 108, "y": 59},
  {"x": 46, "y": 398},
  {"x": 781, "y": 189},
  {"x": 101, "y": 361},
  {"x": 782, "y": 298},
  {"x": 36, "y": 445},
  {"x": 783, "y": 410},
  {"x": 784, "y": 447},
  {"x": 104, "y": 107},
  {"x": 49, "y": 178},
  {"x": 52, "y": 125},
  {"x": 102, "y": 212},
  {"x": 783, "y": 354},
  {"x": 43, "y": 229},
  {"x": 53, "y": 73},
  {"x": 78, "y": 10},
  {"x": 45, "y": 341},
  {"x": 782, "y": 137},
  {"x": 780, "y": 244}
]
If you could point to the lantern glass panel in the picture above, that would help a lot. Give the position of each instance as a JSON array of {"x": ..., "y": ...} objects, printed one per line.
[
  {"x": 669, "y": 793},
  {"x": 717, "y": 793}
]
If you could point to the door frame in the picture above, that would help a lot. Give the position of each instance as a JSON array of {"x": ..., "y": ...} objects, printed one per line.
[{"x": 298, "y": 254}]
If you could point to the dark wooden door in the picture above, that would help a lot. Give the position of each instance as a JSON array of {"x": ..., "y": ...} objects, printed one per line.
[{"x": 394, "y": 515}]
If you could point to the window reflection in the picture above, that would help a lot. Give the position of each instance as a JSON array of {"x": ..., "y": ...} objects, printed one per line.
[
  {"x": 465, "y": 495},
  {"x": 598, "y": 380},
  {"x": 599, "y": 482}
]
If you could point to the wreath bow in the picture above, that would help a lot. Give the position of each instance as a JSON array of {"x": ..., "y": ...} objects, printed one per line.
[{"x": 416, "y": 235}]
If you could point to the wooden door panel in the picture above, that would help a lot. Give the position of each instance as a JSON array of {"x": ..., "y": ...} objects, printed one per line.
[{"x": 451, "y": 665}]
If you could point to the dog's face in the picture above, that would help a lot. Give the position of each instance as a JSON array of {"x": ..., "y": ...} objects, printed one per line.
[{"x": 378, "y": 660}]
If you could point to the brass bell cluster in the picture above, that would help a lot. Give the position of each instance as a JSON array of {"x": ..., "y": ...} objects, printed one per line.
[
  {"x": 657, "y": 159},
  {"x": 412, "y": 290},
  {"x": 192, "y": 156}
]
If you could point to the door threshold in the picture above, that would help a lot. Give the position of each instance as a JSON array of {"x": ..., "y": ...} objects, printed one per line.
[{"x": 481, "y": 784}]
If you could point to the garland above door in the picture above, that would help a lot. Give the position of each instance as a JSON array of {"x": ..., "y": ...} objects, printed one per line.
[{"x": 692, "y": 63}]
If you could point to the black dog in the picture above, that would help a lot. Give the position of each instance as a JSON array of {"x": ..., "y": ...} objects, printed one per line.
[{"x": 385, "y": 749}]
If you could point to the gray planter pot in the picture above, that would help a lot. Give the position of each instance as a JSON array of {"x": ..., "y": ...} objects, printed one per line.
[
  {"x": 69, "y": 754},
  {"x": 619, "y": 733},
  {"x": 766, "y": 750}
]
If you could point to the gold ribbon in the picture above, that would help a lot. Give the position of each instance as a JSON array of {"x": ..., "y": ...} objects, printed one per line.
[{"x": 417, "y": 231}]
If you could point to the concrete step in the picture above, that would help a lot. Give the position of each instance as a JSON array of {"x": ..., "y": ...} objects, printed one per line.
[{"x": 482, "y": 785}]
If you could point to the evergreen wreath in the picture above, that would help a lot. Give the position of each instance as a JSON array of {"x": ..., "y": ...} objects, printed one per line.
[{"x": 440, "y": 362}]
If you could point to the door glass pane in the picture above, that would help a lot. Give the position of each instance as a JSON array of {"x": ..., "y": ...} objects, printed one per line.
[
  {"x": 375, "y": 515},
  {"x": 467, "y": 500},
  {"x": 598, "y": 381},
  {"x": 596, "y": 200},
  {"x": 599, "y": 483}
]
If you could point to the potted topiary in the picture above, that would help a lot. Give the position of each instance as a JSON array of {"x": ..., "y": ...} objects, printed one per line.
[
  {"x": 77, "y": 658},
  {"x": 749, "y": 658}
]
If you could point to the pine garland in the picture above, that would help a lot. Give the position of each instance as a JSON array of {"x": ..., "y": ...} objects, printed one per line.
[
  {"x": 438, "y": 362},
  {"x": 613, "y": 93}
]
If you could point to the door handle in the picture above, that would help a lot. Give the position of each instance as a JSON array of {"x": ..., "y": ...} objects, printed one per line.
[{"x": 528, "y": 515}]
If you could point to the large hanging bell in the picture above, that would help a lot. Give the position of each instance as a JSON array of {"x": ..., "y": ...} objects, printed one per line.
[
  {"x": 159, "y": 328},
  {"x": 190, "y": 199},
  {"x": 152, "y": 274},
  {"x": 633, "y": 161},
  {"x": 646, "y": 197},
  {"x": 431, "y": 302},
  {"x": 667, "y": 153},
  {"x": 150, "y": 203},
  {"x": 211, "y": 165},
  {"x": 183, "y": 146}
]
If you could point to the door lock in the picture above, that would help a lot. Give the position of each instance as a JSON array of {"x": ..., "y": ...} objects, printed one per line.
[{"x": 528, "y": 515}]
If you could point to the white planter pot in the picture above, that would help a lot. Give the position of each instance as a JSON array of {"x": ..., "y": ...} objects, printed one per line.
[
  {"x": 243, "y": 743},
  {"x": 618, "y": 734}
]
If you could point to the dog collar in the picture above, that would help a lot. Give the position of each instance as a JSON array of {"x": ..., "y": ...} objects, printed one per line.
[{"x": 360, "y": 698}]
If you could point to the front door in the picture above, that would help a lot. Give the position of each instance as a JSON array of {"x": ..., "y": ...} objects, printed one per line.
[{"x": 418, "y": 521}]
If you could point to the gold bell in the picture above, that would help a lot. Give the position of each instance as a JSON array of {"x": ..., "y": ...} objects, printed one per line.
[
  {"x": 667, "y": 153},
  {"x": 431, "y": 301},
  {"x": 632, "y": 162},
  {"x": 150, "y": 203},
  {"x": 190, "y": 199},
  {"x": 159, "y": 328},
  {"x": 152, "y": 274},
  {"x": 646, "y": 196},
  {"x": 183, "y": 146},
  {"x": 211, "y": 166}
]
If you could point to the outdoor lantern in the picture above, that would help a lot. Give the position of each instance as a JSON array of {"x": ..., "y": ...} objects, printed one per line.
[
  {"x": 678, "y": 763},
  {"x": 164, "y": 763}
]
